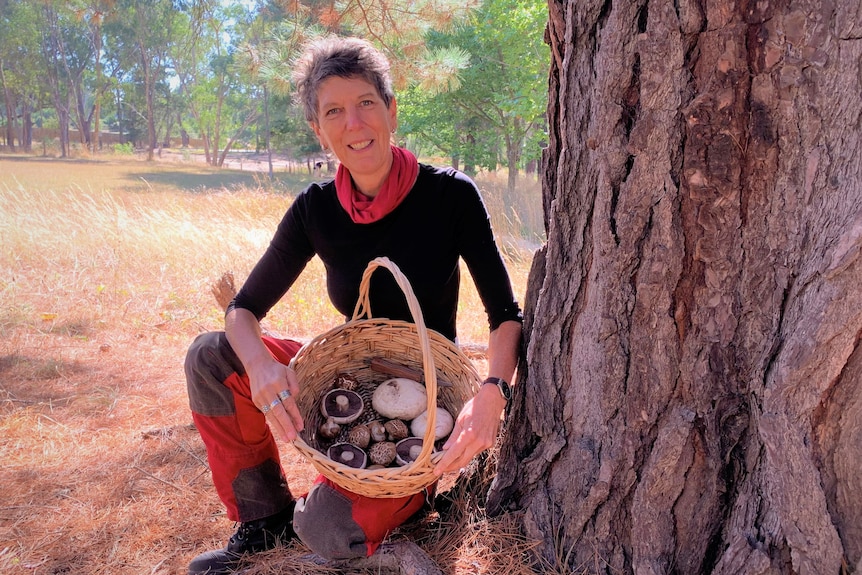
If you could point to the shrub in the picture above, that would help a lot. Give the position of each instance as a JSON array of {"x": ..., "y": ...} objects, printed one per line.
[{"x": 126, "y": 149}]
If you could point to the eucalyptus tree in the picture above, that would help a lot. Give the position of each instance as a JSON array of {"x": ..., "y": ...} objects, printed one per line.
[
  {"x": 144, "y": 33},
  {"x": 219, "y": 95},
  {"x": 66, "y": 54},
  {"x": 94, "y": 13},
  {"x": 19, "y": 68}
]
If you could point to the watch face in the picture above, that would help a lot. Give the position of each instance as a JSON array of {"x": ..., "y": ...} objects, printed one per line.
[{"x": 501, "y": 384}]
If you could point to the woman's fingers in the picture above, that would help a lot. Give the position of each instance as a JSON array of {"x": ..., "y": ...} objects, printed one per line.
[{"x": 282, "y": 412}]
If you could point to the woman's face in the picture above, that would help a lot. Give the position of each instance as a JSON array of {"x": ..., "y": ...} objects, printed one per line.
[{"x": 355, "y": 123}]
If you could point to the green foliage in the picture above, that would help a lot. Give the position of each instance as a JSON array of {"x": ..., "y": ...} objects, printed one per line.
[
  {"x": 126, "y": 149},
  {"x": 497, "y": 108},
  {"x": 471, "y": 86}
]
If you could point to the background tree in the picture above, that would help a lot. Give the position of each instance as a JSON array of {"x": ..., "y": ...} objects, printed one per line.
[
  {"x": 501, "y": 96},
  {"x": 64, "y": 60},
  {"x": 218, "y": 94},
  {"x": 19, "y": 66},
  {"x": 690, "y": 401},
  {"x": 94, "y": 12},
  {"x": 145, "y": 33}
]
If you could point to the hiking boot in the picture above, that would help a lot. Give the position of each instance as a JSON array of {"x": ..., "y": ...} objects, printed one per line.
[{"x": 251, "y": 537}]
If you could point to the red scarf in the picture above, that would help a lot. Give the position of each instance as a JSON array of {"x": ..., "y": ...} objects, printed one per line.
[{"x": 365, "y": 210}]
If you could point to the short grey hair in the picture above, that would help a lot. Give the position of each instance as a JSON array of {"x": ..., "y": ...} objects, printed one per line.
[{"x": 324, "y": 58}]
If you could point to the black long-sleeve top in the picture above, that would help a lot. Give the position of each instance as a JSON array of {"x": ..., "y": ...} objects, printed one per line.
[{"x": 442, "y": 219}]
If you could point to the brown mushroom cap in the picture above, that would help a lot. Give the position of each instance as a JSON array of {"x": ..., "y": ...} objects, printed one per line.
[
  {"x": 329, "y": 429},
  {"x": 359, "y": 436},
  {"x": 382, "y": 453},
  {"x": 346, "y": 381},
  {"x": 407, "y": 450},
  {"x": 347, "y": 454},
  {"x": 342, "y": 405},
  {"x": 396, "y": 430}
]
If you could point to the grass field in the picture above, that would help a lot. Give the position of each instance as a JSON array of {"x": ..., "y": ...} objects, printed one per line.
[{"x": 105, "y": 275}]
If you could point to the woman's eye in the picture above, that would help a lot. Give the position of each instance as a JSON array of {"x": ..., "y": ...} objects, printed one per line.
[
  {"x": 366, "y": 102},
  {"x": 332, "y": 111}
]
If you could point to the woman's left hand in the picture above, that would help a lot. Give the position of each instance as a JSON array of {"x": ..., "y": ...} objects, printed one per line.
[{"x": 475, "y": 430}]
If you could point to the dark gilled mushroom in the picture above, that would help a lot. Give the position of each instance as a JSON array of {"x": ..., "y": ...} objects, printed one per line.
[
  {"x": 407, "y": 450},
  {"x": 341, "y": 405},
  {"x": 348, "y": 454}
]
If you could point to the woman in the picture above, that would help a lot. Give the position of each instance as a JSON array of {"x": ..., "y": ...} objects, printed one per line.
[{"x": 381, "y": 203}]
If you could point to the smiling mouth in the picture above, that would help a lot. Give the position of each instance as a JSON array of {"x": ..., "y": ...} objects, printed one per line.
[{"x": 360, "y": 145}]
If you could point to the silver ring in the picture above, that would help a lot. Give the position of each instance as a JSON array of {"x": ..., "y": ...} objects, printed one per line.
[
  {"x": 283, "y": 395},
  {"x": 264, "y": 409},
  {"x": 274, "y": 403}
]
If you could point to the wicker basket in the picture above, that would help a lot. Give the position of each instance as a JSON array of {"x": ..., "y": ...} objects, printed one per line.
[{"x": 349, "y": 349}]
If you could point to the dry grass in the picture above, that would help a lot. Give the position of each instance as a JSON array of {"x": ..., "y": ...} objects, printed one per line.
[{"x": 105, "y": 273}]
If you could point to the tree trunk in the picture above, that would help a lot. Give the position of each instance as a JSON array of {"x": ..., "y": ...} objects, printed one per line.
[
  {"x": 149, "y": 88},
  {"x": 97, "y": 104},
  {"x": 690, "y": 398},
  {"x": 268, "y": 130},
  {"x": 26, "y": 126},
  {"x": 9, "y": 100}
]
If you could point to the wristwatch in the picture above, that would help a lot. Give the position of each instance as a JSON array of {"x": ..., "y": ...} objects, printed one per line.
[{"x": 505, "y": 389}]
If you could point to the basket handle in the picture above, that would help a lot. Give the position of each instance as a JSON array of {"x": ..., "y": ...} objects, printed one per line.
[{"x": 363, "y": 307}]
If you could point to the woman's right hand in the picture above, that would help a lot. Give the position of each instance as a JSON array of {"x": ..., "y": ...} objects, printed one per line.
[
  {"x": 273, "y": 387},
  {"x": 273, "y": 384}
]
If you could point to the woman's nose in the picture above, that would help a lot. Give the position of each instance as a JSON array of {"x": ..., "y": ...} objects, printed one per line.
[{"x": 354, "y": 118}]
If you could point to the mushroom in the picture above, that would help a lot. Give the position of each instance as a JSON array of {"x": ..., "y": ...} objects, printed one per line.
[
  {"x": 378, "y": 431},
  {"x": 329, "y": 429},
  {"x": 399, "y": 398},
  {"x": 382, "y": 453},
  {"x": 442, "y": 427},
  {"x": 396, "y": 430},
  {"x": 346, "y": 381},
  {"x": 360, "y": 436},
  {"x": 348, "y": 454},
  {"x": 341, "y": 405},
  {"x": 407, "y": 450}
]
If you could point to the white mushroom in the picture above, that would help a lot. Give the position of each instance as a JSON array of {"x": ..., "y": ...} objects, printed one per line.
[
  {"x": 399, "y": 398},
  {"x": 442, "y": 426},
  {"x": 341, "y": 405}
]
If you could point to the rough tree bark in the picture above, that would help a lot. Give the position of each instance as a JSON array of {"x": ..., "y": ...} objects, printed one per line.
[{"x": 690, "y": 398}]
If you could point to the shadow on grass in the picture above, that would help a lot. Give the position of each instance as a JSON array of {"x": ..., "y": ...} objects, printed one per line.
[
  {"x": 53, "y": 159},
  {"x": 191, "y": 181},
  {"x": 136, "y": 175}
]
